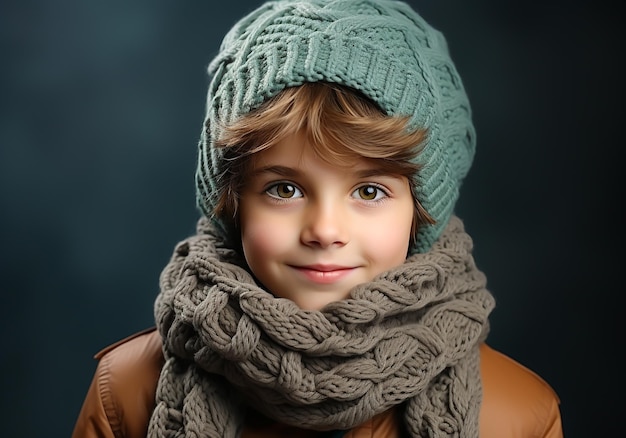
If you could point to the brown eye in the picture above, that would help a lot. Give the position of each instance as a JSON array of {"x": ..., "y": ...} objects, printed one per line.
[
  {"x": 369, "y": 193},
  {"x": 284, "y": 191}
]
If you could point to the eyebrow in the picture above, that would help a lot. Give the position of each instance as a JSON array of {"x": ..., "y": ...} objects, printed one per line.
[
  {"x": 278, "y": 170},
  {"x": 289, "y": 172},
  {"x": 375, "y": 171}
]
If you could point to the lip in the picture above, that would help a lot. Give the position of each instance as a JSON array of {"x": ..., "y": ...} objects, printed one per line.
[{"x": 324, "y": 274}]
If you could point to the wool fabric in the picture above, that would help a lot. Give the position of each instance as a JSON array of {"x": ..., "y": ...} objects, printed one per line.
[
  {"x": 381, "y": 48},
  {"x": 408, "y": 338}
]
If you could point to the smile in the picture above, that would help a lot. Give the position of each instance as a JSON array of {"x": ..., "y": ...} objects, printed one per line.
[{"x": 323, "y": 274}]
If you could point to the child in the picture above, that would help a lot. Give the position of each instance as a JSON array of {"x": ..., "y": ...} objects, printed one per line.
[{"x": 330, "y": 290}]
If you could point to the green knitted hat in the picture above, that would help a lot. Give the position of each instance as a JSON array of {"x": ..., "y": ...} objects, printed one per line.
[{"x": 383, "y": 49}]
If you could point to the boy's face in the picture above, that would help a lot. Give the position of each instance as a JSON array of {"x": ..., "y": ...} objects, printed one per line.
[{"x": 311, "y": 231}]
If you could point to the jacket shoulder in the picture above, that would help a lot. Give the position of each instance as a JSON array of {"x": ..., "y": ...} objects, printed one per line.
[
  {"x": 121, "y": 397},
  {"x": 517, "y": 402},
  {"x": 144, "y": 336}
]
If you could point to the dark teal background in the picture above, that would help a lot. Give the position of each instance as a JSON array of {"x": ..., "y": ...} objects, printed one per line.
[{"x": 101, "y": 106}]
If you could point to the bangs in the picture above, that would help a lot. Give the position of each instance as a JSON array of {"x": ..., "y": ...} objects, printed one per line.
[{"x": 340, "y": 124}]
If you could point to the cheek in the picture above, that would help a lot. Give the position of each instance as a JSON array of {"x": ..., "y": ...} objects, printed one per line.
[
  {"x": 388, "y": 241},
  {"x": 262, "y": 239},
  {"x": 390, "y": 248},
  {"x": 257, "y": 242}
]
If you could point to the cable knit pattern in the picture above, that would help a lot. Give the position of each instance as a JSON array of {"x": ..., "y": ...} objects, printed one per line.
[{"x": 411, "y": 335}]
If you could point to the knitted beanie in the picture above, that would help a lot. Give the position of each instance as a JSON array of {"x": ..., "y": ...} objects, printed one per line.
[{"x": 381, "y": 48}]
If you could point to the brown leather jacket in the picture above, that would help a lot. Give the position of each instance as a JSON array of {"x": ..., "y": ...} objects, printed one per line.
[{"x": 120, "y": 400}]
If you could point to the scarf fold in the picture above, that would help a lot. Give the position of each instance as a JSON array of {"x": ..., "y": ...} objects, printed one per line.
[{"x": 411, "y": 336}]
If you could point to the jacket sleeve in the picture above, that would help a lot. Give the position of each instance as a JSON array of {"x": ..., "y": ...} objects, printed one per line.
[
  {"x": 93, "y": 421},
  {"x": 121, "y": 396},
  {"x": 516, "y": 401},
  {"x": 553, "y": 426}
]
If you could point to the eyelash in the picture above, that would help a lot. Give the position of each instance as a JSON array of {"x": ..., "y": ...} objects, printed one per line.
[
  {"x": 272, "y": 189},
  {"x": 379, "y": 189}
]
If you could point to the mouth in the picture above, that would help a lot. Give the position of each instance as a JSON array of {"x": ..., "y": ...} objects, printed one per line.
[{"x": 324, "y": 274}]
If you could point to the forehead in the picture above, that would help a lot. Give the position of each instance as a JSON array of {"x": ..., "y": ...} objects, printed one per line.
[{"x": 298, "y": 151}]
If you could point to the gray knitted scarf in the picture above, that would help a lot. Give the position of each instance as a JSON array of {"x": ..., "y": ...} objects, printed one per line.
[{"x": 410, "y": 337}]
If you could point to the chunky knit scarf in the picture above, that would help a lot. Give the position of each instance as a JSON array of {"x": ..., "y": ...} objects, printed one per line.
[{"x": 409, "y": 337}]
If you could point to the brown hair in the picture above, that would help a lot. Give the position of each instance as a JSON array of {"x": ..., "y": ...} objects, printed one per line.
[{"x": 340, "y": 124}]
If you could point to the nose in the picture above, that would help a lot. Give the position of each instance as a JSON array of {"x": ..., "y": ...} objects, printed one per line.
[{"x": 325, "y": 225}]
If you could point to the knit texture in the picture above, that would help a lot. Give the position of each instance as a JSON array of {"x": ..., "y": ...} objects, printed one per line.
[
  {"x": 409, "y": 337},
  {"x": 383, "y": 49}
]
